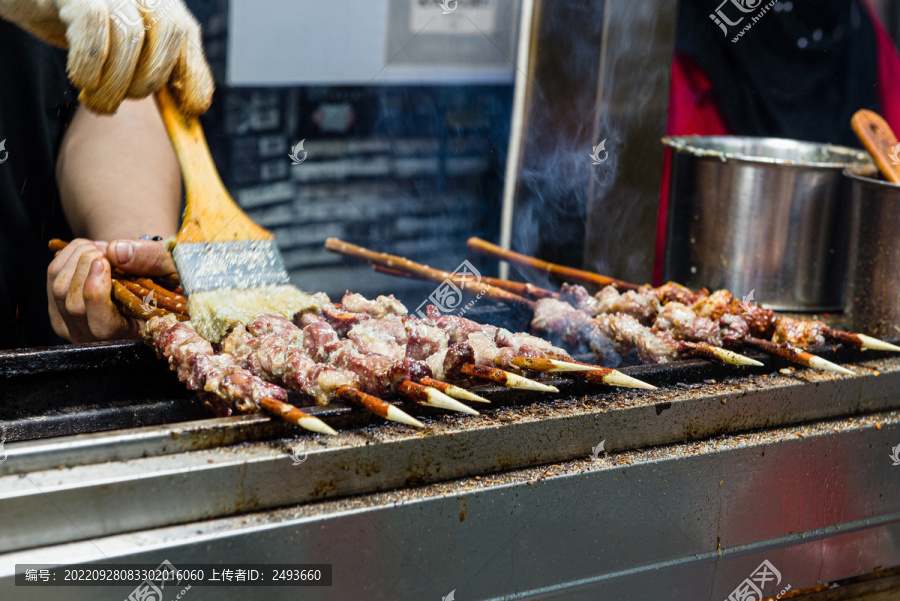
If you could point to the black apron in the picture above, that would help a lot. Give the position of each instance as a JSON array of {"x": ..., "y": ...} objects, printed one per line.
[{"x": 36, "y": 105}]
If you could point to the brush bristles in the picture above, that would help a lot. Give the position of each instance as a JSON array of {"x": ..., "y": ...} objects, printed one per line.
[{"x": 214, "y": 312}]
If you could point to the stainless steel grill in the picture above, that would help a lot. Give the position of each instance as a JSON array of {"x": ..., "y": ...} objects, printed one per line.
[{"x": 108, "y": 458}]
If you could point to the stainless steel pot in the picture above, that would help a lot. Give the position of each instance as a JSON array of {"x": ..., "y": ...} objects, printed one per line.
[
  {"x": 872, "y": 301},
  {"x": 761, "y": 215}
]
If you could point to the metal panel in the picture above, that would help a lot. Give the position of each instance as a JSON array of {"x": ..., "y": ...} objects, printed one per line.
[
  {"x": 582, "y": 90},
  {"x": 689, "y": 521}
]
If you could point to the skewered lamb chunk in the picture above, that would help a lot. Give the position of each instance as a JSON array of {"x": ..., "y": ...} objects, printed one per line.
[
  {"x": 320, "y": 361},
  {"x": 193, "y": 359},
  {"x": 682, "y": 322}
]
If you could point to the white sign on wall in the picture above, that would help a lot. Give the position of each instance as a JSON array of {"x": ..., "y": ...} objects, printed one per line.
[{"x": 370, "y": 42}]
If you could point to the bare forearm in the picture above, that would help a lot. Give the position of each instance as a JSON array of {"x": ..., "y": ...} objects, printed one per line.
[{"x": 118, "y": 176}]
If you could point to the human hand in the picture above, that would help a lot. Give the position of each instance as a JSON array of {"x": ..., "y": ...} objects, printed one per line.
[
  {"x": 79, "y": 282},
  {"x": 122, "y": 48}
]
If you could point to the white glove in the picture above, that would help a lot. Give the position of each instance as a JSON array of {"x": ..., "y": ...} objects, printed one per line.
[{"x": 122, "y": 48}]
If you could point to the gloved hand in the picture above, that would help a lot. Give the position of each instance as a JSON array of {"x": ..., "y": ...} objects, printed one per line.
[{"x": 122, "y": 48}]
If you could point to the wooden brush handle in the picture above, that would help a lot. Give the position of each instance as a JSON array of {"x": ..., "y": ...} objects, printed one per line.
[
  {"x": 211, "y": 214},
  {"x": 878, "y": 138}
]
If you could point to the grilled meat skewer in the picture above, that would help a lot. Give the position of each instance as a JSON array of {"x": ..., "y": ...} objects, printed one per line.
[
  {"x": 227, "y": 385},
  {"x": 711, "y": 324},
  {"x": 277, "y": 350},
  {"x": 447, "y": 342}
]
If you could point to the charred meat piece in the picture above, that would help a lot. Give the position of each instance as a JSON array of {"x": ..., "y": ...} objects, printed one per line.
[
  {"x": 384, "y": 336},
  {"x": 575, "y": 327},
  {"x": 383, "y": 305},
  {"x": 800, "y": 333},
  {"x": 684, "y": 324},
  {"x": 342, "y": 321},
  {"x": 424, "y": 340},
  {"x": 673, "y": 292},
  {"x": 192, "y": 358},
  {"x": 641, "y": 306},
  {"x": 628, "y": 333}
]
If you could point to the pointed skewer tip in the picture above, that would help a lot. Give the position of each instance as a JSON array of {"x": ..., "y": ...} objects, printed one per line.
[
  {"x": 522, "y": 383},
  {"x": 314, "y": 424},
  {"x": 617, "y": 378},
  {"x": 438, "y": 399},
  {"x": 398, "y": 415},
  {"x": 874, "y": 344},
  {"x": 549, "y": 365},
  {"x": 733, "y": 358},
  {"x": 825, "y": 365},
  {"x": 464, "y": 395}
]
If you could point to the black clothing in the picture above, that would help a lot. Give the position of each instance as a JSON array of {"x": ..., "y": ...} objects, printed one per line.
[
  {"x": 36, "y": 105},
  {"x": 799, "y": 71}
]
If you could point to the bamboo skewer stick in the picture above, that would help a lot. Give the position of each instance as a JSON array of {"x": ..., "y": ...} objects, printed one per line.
[
  {"x": 519, "y": 288},
  {"x": 560, "y": 271},
  {"x": 697, "y": 349},
  {"x": 550, "y": 365},
  {"x": 453, "y": 391},
  {"x": 791, "y": 353},
  {"x": 467, "y": 284},
  {"x": 431, "y": 397},
  {"x": 375, "y": 405},
  {"x": 161, "y": 290},
  {"x": 717, "y": 353},
  {"x": 291, "y": 414},
  {"x": 149, "y": 296},
  {"x": 860, "y": 341},
  {"x": 504, "y": 378},
  {"x": 134, "y": 306},
  {"x": 592, "y": 373}
]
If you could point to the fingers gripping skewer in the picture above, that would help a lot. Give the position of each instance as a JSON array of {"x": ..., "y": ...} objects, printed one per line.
[
  {"x": 504, "y": 378},
  {"x": 431, "y": 397},
  {"x": 453, "y": 391},
  {"x": 293, "y": 415},
  {"x": 377, "y": 406},
  {"x": 131, "y": 294}
]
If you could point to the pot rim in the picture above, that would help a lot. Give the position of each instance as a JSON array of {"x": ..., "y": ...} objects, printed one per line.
[
  {"x": 865, "y": 173},
  {"x": 691, "y": 144}
]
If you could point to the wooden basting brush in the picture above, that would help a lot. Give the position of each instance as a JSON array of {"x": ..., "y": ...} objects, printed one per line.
[{"x": 230, "y": 267}]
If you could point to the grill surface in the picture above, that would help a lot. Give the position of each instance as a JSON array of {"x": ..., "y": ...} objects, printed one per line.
[{"x": 217, "y": 467}]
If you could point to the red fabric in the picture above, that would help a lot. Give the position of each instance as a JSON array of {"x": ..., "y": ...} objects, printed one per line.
[
  {"x": 692, "y": 111},
  {"x": 888, "y": 75}
]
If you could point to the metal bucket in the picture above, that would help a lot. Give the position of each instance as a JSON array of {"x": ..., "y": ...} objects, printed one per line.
[
  {"x": 761, "y": 215},
  {"x": 872, "y": 301}
]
